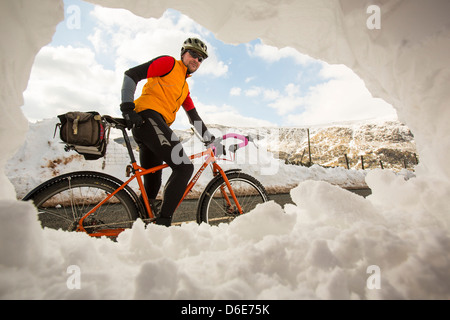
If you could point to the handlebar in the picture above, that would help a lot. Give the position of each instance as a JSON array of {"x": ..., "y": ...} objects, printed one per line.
[
  {"x": 234, "y": 147},
  {"x": 219, "y": 149},
  {"x": 119, "y": 122}
]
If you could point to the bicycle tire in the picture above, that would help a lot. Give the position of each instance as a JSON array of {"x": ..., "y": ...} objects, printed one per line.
[
  {"x": 214, "y": 209},
  {"x": 64, "y": 200}
]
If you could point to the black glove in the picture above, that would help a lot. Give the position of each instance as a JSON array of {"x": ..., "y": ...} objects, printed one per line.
[
  {"x": 132, "y": 119},
  {"x": 218, "y": 147},
  {"x": 208, "y": 138}
]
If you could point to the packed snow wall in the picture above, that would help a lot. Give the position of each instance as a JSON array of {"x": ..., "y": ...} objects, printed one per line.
[
  {"x": 25, "y": 27},
  {"x": 405, "y": 232}
]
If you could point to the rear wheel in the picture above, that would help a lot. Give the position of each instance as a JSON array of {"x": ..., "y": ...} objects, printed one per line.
[
  {"x": 216, "y": 204},
  {"x": 61, "y": 203}
]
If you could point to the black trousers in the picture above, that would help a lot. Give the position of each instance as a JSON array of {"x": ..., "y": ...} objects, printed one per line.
[{"x": 158, "y": 144}]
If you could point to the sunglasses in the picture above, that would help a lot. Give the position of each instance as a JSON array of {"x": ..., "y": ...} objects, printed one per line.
[{"x": 195, "y": 55}]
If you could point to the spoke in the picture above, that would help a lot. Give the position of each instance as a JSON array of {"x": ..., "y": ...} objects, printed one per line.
[
  {"x": 220, "y": 206},
  {"x": 55, "y": 214}
]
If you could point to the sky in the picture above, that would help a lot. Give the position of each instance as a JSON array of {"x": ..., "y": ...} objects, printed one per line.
[{"x": 248, "y": 84}]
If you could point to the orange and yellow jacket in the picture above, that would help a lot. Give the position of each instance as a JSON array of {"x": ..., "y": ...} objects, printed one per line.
[{"x": 166, "y": 89}]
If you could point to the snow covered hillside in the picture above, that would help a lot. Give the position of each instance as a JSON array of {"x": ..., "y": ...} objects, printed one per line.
[
  {"x": 388, "y": 141},
  {"x": 328, "y": 244}
]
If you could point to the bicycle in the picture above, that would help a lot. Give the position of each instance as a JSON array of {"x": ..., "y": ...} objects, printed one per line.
[{"x": 102, "y": 205}]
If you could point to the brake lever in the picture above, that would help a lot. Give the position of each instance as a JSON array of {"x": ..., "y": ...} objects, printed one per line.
[{"x": 251, "y": 139}]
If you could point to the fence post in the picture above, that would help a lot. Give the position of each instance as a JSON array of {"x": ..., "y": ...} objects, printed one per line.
[
  {"x": 346, "y": 161},
  {"x": 362, "y": 162},
  {"x": 301, "y": 159},
  {"x": 309, "y": 148}
]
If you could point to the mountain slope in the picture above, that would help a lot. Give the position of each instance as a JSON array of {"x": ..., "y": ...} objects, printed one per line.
[{"x": 387, "y": 144}]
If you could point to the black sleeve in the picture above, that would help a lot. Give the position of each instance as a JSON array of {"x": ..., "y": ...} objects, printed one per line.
[
  {"x": 198, "y": 124},
  {"x": 140, "y": 72}
]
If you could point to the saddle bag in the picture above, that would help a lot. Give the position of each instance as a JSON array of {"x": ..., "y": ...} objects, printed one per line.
[{"x": 84, "y": 132}]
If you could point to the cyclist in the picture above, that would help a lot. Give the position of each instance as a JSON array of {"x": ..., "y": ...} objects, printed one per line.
[{"x": 151, "y": 115}]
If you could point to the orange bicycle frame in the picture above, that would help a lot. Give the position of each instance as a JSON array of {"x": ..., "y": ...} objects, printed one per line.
[{"x": 138, "y": 172}]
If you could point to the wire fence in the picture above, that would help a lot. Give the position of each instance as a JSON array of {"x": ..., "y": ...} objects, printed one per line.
[{"x": 384, "y": 157}]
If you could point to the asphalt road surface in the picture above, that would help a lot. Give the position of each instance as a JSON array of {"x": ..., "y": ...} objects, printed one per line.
[{"x": 188, "y": 208}]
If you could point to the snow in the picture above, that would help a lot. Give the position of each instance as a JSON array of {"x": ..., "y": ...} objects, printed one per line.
[{"x": 323, "y": 246}]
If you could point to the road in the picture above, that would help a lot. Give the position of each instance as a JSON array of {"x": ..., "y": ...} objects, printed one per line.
[{"x": 187, "y": 210}]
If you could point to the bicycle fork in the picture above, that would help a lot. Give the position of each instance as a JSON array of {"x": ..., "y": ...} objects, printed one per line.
[
  {"x": 230, "y": 189},
  {"x": 216, "y": 171}
]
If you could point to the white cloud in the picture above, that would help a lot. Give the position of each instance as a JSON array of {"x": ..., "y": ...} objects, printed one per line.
[
  {"x": 289, "y": 101},
  {"x": 343, "y": 98},
  {"x": 292, "y": 89},
  {"x": 273, "y": 54},
  {"x": 136, "y": 40},
  {"x": 271, "y": 94},
  {"x": 68, "y": 79},
  {"x": 253, "y": 91},
  {"x": 213, "y": 67},
  {"x": 249, "y": 79},
  {"x": 223, "y": 115},
  {"x": 235, "y": 91}
]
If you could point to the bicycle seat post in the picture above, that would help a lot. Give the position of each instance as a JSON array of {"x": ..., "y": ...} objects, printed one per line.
[{"x": 128, "y": 144}]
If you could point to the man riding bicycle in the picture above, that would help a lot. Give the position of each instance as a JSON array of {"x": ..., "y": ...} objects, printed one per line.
[{"x": 151, "y": 115}]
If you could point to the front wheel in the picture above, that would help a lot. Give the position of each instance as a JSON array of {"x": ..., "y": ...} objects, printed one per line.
[{"x": 216, "y": 204}]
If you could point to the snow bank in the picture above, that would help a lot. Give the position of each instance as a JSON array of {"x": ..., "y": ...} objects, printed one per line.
[
  {"x": 329, "y": 244},
  {"x": 313, "y": 249}
]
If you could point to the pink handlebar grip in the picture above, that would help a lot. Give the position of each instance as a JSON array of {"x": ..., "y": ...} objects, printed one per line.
[{"x": 244, "y": 139}]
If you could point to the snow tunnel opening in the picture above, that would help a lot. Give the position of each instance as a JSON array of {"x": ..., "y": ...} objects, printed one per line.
[{"x": 98, "y": 44}]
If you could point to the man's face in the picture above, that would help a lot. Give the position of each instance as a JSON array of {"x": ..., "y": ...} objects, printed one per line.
[{"x": 190, "y": 62}]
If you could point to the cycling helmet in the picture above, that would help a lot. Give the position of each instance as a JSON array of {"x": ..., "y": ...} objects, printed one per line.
[{"x": 196, "y": 45}]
